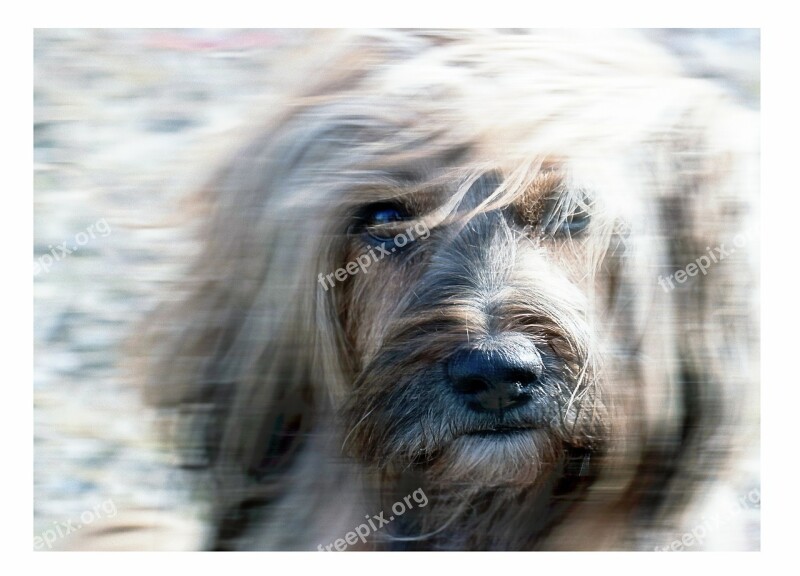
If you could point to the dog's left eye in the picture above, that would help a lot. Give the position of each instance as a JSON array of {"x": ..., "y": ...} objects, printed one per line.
[
  {"x": 576, "y": 222},
  {"x": 566, "y": 218},
  {"x": 379, "y": 221}
]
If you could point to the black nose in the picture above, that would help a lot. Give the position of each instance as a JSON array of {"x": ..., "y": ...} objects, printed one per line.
[{"x": 495, "y": 379}]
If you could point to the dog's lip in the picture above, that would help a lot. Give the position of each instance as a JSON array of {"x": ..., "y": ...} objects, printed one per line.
[{"x": 499, "y": 431}]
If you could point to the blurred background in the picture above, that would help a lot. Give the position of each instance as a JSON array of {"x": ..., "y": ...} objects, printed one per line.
[{"x": 126, "y": 122}]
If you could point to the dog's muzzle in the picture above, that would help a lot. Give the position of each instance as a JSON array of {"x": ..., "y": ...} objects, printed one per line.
[{"x": 497, "y": 375}]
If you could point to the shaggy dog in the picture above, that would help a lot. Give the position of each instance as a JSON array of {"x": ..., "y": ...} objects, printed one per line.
[{"x": 503, "y": 272}]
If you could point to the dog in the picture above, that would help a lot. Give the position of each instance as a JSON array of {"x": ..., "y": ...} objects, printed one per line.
[{"x": 490, "y": 271}]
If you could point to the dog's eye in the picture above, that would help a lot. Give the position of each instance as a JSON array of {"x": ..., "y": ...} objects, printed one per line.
[
  {"x": 566, "y": 218},
  {"x": 379, "y": 221},
  {"x": 576, "y": 222},
  {"x": 385, "y": 215}
]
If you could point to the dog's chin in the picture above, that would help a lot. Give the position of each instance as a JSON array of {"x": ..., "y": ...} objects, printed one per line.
[{"x": 494, "y": 458}]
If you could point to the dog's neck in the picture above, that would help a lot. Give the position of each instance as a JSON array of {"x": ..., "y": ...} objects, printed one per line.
[{"x": 518, "y": 517}]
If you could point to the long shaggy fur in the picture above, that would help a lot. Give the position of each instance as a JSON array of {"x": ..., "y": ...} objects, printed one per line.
[{"x": 306, "y": 408}]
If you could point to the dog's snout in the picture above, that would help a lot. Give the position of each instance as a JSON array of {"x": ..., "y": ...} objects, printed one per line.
[{"x": 494, "y": 379}]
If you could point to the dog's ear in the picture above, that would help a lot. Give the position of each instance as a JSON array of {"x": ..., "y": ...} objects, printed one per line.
[
  {"x": 703, "y": 312},
  {"x": 247, "y": 352}
]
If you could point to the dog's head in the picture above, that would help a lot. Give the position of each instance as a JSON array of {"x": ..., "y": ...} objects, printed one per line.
[
  {"x": 471, "y": 343},
  {"x": 440, "y": 260}
]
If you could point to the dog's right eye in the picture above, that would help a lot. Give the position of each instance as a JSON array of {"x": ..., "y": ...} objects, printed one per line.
[{"x": 380, "y": 221}]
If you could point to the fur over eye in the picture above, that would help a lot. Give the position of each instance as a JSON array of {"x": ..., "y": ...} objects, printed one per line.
[{"x": 566, "y": 217}]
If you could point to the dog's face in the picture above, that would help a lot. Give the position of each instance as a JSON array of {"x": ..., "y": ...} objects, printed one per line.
[
  {"x": 473, "y": 343},
  {"x": 439, "y": 267}
]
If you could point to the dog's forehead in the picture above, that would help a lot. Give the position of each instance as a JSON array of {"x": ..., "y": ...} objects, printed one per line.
[{"x": 549, "y": 180}]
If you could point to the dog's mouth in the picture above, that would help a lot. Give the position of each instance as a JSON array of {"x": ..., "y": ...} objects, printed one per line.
[
  {"x": 500, "y": 432},
  {"x": 486, "y": 436}
]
